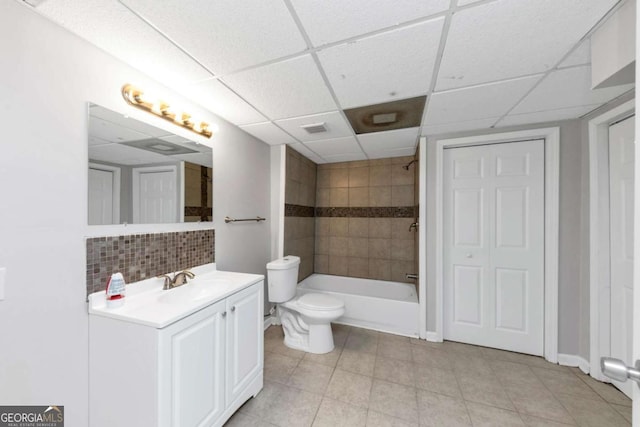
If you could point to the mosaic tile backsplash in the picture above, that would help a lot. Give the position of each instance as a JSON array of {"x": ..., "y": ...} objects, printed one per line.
[{"x": 141, "y": 256}]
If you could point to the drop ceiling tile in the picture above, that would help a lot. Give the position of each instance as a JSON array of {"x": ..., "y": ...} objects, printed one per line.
[
  {"x": 335, "y": 147},
  {"x": 123, "y": 155},
  {"x": 389, "y": 140},
  {"x": 458, "y": 126},
  {"x": 333, "y": 20},
  {"x": 112, "y": 27},
  {"x": 217, "y": 98},
  {"x": 570, "y": 87},
  {"x": 112, "y": 132},
  {"x": 580, "y": 56},
  {"x": 399, "y": 65},
  {"x": 506, "y": 39},
  {"x": 466, "y": 2},
  {"x": 547, "y": 116},
  {"x": 336, "y": 126},
  {"x": 478, "y": 102},
  {"x": 117, "y": 119},
  {"x": 284, "y": 89},
  {"x": 225, "y": 35},
  {"x": 189, "y": 144},
  {"x": 269, "y": 133},
  {"x": 302, "y": 149},
  {"x": 94, "y": 140},
  {"x": 385, "y": 154}
]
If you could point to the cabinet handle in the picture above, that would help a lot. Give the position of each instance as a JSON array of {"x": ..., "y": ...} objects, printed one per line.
[
  {"x": 224, "y": 314},
  {"x": 233, "y": 308}
]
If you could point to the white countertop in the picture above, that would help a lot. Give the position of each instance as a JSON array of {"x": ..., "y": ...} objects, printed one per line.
[{"x": 146, "y": 303}]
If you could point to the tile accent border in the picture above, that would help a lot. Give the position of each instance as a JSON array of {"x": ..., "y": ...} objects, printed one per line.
[
  {"x": 298, "y": 210},
  {"x": 369, "y": 212},
  {"x": 141, "y": 256}
]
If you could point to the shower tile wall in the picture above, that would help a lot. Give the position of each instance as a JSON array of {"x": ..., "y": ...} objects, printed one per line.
[
  {"x": 371, "y": 238},
  {"x": 300, "y": 202}
]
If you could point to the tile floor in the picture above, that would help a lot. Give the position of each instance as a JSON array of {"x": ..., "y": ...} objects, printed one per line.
[{"x": 376, "y": 379}]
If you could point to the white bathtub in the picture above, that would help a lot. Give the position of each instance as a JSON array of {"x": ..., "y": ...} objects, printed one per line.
[{"x": 373, "y": 304}]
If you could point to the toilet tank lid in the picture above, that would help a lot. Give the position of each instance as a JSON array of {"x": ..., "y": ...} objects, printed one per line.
[{"x": 287, "y": 262}]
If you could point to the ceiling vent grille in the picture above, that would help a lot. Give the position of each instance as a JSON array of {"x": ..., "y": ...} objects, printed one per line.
[
  {"x": 315, "y": 128},
  {"x": 384, "y": 118}
]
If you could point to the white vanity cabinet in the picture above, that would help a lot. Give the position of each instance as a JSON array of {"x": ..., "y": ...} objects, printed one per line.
[{"x": 196, "y": 371}]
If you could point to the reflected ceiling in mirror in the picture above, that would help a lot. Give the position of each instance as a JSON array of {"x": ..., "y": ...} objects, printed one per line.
[{"x": 140, "y": 174}]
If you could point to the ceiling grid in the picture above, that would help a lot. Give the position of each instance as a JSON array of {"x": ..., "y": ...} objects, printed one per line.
[{"x": 274, "y": 66}]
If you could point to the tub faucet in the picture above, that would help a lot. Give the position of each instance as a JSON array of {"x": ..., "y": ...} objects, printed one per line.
[{"x": 178, "y": 279}]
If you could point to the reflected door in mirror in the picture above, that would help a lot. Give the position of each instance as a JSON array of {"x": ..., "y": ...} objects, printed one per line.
[
  {"x": 155, "y": 192},
  {"x": 104, "y": 194}
]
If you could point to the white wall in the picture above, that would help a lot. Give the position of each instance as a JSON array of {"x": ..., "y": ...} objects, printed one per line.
[{"x": 48, "y": 75}]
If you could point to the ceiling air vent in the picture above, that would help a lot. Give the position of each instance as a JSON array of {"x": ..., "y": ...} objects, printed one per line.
[{"x": 315, "y": 128}]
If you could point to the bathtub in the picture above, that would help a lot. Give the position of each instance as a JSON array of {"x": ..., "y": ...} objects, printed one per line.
[{"x": 373, "y": 304}]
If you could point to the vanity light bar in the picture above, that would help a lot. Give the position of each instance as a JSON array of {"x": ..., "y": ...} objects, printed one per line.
[{"x": 133, "y": 96}]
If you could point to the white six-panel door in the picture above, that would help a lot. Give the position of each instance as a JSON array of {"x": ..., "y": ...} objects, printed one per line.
[
  {"x": 155, "y": 195},
  {"x": 494, "y": 245},
  {"x": 621, "y": 188}
]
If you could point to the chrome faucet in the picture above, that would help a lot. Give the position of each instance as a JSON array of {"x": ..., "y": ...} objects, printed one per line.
[{"x": 178, "y": 279}]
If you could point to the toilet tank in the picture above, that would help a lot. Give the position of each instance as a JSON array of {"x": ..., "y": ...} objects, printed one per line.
[{"x": 282, "y": 277}]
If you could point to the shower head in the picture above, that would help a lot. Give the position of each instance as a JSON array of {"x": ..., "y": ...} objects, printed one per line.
[{"x": 406, "y": 167}]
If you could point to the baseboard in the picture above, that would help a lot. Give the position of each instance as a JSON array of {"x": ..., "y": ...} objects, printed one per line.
[
  {"x": 433, "y": 337},
  {"x": 574, "y": 361},
  {"x": 267, "y": 322}
]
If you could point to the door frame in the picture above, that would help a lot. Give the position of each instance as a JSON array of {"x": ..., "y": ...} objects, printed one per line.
[
  {"x": 551, "y": 138},
  {"x": 599, "y": 253}
]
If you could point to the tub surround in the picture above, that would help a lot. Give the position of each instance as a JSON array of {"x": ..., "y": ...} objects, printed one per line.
[
  {"x": 142, "y": 256},
  {"x": 363, "y": 213}
]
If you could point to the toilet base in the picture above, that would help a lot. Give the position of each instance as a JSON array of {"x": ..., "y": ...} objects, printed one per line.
[
  {"x": 316, "y": 338},
  {"x": 318, "y": 341}
]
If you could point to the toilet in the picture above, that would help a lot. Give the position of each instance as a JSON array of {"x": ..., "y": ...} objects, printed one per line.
[{"x": 306, "y": 319}]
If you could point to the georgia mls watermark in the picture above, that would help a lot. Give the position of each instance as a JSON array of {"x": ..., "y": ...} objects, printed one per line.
[{"x": 32, "y": 416}]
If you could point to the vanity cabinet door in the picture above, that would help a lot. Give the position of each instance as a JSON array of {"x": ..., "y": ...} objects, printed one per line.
[
  {"x": 245, "y": 326},
  {"x": 193, "y": 368}
]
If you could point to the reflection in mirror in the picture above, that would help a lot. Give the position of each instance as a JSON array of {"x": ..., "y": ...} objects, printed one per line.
[{"x": 140, "y": 174}]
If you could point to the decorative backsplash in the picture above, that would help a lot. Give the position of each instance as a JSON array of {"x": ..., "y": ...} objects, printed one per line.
[{"x": 141, "y": 256}]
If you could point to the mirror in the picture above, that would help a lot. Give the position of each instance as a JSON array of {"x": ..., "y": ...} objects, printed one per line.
[{"x": 140, "y": 174}]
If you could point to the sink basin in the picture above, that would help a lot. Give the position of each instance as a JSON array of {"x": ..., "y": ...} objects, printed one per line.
[{"x": 194, "y": 291}]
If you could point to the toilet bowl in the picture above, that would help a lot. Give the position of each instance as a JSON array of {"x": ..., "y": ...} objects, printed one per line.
[{"x": 306, "y": 319}]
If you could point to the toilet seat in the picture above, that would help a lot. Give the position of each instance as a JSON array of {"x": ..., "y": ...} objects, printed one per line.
[{"x": 320, "y": 302}]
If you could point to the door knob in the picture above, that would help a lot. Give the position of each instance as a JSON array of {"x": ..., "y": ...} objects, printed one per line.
[
  {"x": 233, "y": 308},
  {"x": 617, "y": 370},
  {"x": 224, "y": 314},
  {"x": 469, "y": 255}
]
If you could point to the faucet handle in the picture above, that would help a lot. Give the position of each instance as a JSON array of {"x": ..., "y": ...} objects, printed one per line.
[
  {"x": 167, "y": 281},
  {"x": 188, "y": 273}
]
